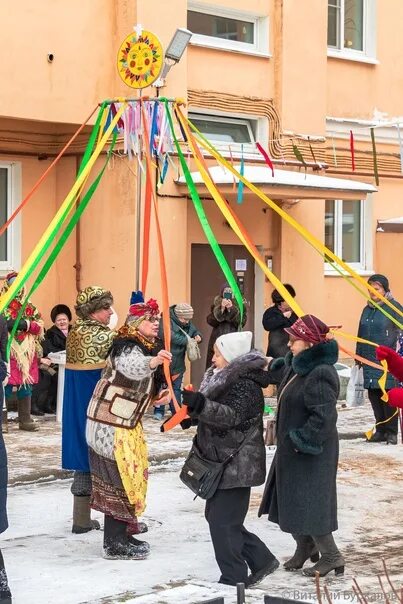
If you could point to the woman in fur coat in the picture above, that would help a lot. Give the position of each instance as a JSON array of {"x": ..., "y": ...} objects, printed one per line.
[
  {"x": 300, "y": 493},
  {"x": 224, "y": 318},
  {"x": 229, "y": 409}
]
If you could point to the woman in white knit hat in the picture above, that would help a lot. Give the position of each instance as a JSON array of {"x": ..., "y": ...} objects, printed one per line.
[{"x": 229, "y": 409}]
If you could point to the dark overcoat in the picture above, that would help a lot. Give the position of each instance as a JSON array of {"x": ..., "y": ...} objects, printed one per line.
[
  {"x": 300, "y": 492},
  {"x": 233, "y": 406},
  {"x": 376, "y": 327}
]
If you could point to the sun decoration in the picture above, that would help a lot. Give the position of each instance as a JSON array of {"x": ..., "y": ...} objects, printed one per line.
[{"x": 140, "y": 59}]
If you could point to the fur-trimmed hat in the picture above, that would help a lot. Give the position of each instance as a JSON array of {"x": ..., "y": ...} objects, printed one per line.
[
  {"x": 60, "y": 309},
  {"x": 91, "y": 299},
  {"x": 233, "y": 345}
]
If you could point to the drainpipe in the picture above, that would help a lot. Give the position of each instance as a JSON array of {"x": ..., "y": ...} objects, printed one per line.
[{"x": 77, "y": 264}]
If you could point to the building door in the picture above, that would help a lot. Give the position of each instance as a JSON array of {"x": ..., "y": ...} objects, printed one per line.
[{"x": 207, "y": 280}]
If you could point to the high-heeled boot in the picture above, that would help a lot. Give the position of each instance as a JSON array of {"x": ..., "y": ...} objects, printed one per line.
[
  {"x": 306, "y": 548},
  {"x": 330, "y": 557}
]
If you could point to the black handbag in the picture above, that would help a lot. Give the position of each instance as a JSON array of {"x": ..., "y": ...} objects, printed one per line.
[{"x": 203, "y": 476}]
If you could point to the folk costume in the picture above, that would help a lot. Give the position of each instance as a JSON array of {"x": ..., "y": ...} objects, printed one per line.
[
  {"x": 118, "y": 450},
  {"x": 24, "y": 353},
  {"x": 87, "y": 346}
]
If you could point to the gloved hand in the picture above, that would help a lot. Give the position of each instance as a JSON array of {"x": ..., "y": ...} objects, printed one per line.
[
  {"x": 396, "y": 397},
  {"x": 194, "y": 400},
  {"x": 395, "y": 361},
  {"x": 22, "y": 325},
  {"x": 186, "y": 423}
]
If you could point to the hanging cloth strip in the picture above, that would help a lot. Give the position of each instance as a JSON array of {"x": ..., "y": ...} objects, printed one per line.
[
  {"x": 311, "y": 239},
  {"x": 241, "y": 232}
]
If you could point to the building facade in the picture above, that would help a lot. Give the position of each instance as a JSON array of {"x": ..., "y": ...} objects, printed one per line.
[{"x": 295, "y": 76}]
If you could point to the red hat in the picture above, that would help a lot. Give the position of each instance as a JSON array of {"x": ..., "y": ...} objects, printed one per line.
[
  {"x": 309, "y": 329},
  {"x": 142, "y": 310}
]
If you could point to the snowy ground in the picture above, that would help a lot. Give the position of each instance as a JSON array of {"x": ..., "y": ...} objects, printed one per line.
[{"x": 47, "y": 564}]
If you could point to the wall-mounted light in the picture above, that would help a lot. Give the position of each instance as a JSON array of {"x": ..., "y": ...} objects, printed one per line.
[{"x": 174, "y": 53}]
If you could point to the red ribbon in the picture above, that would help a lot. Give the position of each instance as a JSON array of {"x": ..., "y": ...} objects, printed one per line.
[
  {"x": 352, "y": 150},
  {"x": 266, "y": 157}
]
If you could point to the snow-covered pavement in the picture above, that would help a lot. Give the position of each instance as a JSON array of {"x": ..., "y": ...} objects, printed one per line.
[{"x": 47, "y": 564}]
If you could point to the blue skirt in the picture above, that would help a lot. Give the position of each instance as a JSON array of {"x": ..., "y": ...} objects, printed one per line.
[
  {"x": 3, "y": 473},
  {"x": 78, "y": 388}
]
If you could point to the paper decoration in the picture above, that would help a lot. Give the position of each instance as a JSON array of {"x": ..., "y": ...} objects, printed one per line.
[{"x": 140, "y": 59}]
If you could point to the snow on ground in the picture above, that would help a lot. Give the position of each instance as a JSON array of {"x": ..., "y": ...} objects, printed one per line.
[{"x": 47, "y": 564}]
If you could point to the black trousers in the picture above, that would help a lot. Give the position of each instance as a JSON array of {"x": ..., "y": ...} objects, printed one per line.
[
  {"x": 235, "y": 548},
  {"x": 382, "y": 412}
]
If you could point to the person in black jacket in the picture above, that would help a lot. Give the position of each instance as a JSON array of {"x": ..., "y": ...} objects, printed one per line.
[
  {"x": 275, "y": 320},
  {"x": 300, "y": 494},
  {"x": 5, "y": 594},
  {"x": 229, "y": 409},
  {"x": 377, "y": 327},
  {"x": 44, "y": 393}
]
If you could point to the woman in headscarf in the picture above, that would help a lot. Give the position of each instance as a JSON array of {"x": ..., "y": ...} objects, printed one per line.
[
  {"x": 131, "y": 380},
  {"x": 25, "y": 352},
  {"x": 224, "y": 318},
  {"x": 300, "y": 493}
]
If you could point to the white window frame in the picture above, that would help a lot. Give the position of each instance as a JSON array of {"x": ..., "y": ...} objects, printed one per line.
[
  {"x": 13, "y": 261},
  {"x": 364, "y": 267},
  {"x": 257, "y": 127},
  {"x": 368, "y": 54},
  {"x": 260, "y": 47}
]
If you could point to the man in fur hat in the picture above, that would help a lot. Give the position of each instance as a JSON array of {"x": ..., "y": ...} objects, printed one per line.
[{"x": 87, "y": 346}]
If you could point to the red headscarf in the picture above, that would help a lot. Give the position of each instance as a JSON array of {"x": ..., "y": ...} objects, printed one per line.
[{"x": 309, "y": 329}]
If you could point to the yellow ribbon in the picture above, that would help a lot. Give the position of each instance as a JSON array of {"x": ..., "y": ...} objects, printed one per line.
[{"x": 316, "y": 243}]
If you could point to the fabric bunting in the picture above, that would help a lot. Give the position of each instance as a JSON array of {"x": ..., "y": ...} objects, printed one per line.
[
  {"x": 375, "y": 159},
  {"x": 266, "y": 157},
  {"x": 352, "y": 151}
]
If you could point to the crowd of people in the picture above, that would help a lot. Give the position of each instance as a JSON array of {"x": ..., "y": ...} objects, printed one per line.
[{"x": 113, "y": 376}]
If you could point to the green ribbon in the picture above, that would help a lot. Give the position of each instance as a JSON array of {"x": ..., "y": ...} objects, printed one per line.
[
  {"x": 198, "y": 206},
  {"x": 63, "y": 238}
]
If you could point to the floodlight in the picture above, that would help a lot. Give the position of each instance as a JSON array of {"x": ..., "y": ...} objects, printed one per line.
[
  {"x": 178, "y": 44},
  {"x": 174, "y": 52}
]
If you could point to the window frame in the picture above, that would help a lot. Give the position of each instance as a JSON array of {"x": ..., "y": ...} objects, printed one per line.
[
  {"x": 13, "y": 261},
  {"x": 368, "y": 53},
  {"x": 260, "y": 47},
  {"x": 365, "y": 263},
  {"x": 257, "y": 128}
]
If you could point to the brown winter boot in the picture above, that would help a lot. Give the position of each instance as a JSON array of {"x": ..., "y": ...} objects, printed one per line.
[
  {"x": 24, "y": 415},
  {"x": 82, "y": 522},
  {"x": 4, "y": 421}
]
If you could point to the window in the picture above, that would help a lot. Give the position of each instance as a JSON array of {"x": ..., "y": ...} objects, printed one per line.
[
  {"x": 10, "y": 252},
  {"x": 230, "y": 134},
  {"x": 227, "y": 29},
  {"x": 344, "y": 230},
  {"x": 351, "y": 28}
]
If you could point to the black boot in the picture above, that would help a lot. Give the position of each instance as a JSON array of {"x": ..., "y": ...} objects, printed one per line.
[
  {"x": 306, "y": 548},
  {"x": 5, "y": 593},
  {"x": 35, "y": 410},
  {"x": 330, "y": 558},
  {"x": 117, "y": 545}
]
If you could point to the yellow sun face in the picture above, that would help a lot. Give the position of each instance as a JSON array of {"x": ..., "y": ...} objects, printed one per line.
[{"x": 140, "y": 59}]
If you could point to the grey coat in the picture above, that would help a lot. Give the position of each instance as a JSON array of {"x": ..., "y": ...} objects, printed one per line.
[
  {"x": 300, "y": 493},
  {"x": 234, "y": 404}
]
